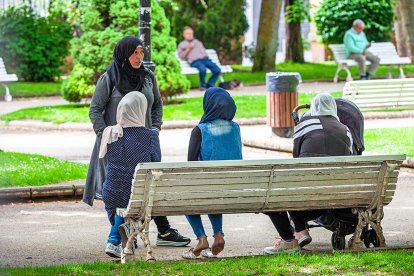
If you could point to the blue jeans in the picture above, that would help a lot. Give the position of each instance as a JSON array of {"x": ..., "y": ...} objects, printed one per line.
[
  {"x": 195, "y": 222},
  {"x": 201, "y": 65},
  {"x": 114, "y": 236}
]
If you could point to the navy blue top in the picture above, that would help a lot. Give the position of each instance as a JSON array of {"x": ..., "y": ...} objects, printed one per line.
[{"x": 138, "y": 145}]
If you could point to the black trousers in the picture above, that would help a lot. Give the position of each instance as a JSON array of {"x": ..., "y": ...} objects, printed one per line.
[
  {"x": 162, "y": 224},
  {"x": 282, "y": 224}
]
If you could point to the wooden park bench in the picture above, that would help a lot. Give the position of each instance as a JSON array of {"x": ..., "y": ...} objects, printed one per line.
[
  {"x": 365, "y": 183},
  {"x": 380, "y": 94},
  {"x": 186, "y": 69},
  {"x": 385, "y": 50},
  {"x": 5, "y": 79}
]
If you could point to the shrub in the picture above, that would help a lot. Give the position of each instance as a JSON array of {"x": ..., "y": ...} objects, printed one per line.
[
  {"x": 34, "y": 47},
  {"x": 79, "y": 85},
  {"x": 334, "y": 18},
  {"x": 218, "y": 24},
  {"x": 104, "y": 23}
]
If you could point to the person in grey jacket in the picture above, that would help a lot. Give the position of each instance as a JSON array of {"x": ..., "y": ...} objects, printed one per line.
[{"x": 125, "y": 74}]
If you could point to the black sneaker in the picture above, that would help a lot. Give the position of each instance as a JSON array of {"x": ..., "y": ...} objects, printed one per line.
[{"x": 172, "y": 238}]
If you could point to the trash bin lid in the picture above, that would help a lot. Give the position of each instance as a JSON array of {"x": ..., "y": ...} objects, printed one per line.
[{"x": 282, "y": 81}]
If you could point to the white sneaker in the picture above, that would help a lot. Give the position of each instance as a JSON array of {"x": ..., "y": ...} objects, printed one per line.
[
  {"x": 283, "y": 247},
  {"x": 113, "y": 250}
]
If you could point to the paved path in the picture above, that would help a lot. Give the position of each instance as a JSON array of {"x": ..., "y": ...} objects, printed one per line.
[
  {"x": 16, "y": 104},
  {"x": 46, "y": 233}
]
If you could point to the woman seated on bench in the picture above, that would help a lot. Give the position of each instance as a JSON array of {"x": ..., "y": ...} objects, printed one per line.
[
  {"x": 320, "y": 134},
  {"x": 216, "y": 137}
]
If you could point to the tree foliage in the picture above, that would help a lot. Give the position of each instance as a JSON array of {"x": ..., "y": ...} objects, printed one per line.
[
  {"x": 218, "y": 24},
  {"x": 334, "y": 18},
  {"x": 103, "y": 24},
  {"x": 34, "y": 47}
]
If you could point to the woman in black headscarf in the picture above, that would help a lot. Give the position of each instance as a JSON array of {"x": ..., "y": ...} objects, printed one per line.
[{"x": 125, "y": 74}]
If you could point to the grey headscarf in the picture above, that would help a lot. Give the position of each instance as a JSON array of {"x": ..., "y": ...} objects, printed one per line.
[
  {"x": 130, "y": 113},
  {"x": 324, "y": 105}
]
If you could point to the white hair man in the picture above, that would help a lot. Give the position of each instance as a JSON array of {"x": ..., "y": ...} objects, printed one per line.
[{"x": 356, "y": 47}]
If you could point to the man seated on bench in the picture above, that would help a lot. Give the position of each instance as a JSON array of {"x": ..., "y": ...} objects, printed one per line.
[
  {"x": 320, "y": 134},
  {"x": 192, "y": 50},
  {"x": 356, "y": 47}
]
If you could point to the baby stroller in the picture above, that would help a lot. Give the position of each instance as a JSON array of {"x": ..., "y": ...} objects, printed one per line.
[{"x": 343, "y": 222}]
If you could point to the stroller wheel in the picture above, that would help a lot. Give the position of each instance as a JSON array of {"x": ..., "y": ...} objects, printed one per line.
[
  {"x": 371, "y": 239},
  {"x": 338, "y": 241}
]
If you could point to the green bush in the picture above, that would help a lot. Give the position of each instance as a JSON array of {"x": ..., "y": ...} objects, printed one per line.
[
  {"x": 34, "y": 47},
  {"x": 334, "y": 18},
  {"x": 79, "y": 85},
  {"x": 218, "y": 24},
  {"x": 103, "y": 24}
]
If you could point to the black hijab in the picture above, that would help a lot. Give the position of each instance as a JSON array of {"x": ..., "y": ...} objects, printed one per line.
[{"x": 123, "y": 76}]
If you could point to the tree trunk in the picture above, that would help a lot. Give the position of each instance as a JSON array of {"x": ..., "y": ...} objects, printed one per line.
[
  {"x": 407, "y": 18},
  {"x": 400, "y": 33},
  {"x": 267, "y": 38},
  {"x": 294, "y": 43}
]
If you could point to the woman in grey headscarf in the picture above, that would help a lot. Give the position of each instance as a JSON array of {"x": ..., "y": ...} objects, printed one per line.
[
  {"x": 320, "y": 134},
  {"x": 125, "y": 74},
  {"x": 125, "y": 145}
]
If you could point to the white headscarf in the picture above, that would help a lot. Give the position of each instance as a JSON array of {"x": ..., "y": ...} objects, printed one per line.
[
  {"x": 324, "y": 105},
  {"x": 130, "y": 113}
]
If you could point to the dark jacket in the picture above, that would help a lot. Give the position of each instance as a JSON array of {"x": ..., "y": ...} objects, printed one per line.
[{"x": 321, "y": 136}]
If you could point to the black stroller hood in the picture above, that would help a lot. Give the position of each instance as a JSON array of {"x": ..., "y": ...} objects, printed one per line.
[{"x": 350, "y": 115}]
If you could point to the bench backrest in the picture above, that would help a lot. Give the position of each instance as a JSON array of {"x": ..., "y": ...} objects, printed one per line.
[
  {"x": 2, "y": 67},
  {"x": 212, "y": 54},
  {"x": 375, "y": 94},
  {"x": 4, "y": 77},
  {"x": 385, "y": 50},
  {"x": 262, "y": 185}
]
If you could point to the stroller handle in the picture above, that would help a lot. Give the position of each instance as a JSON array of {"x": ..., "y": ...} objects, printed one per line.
[{"x": 295, "y": 112}]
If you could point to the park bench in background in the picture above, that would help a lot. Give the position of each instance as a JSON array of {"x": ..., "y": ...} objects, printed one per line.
[
  {"x": 186, "y": 69},
  {"x": 380, "y": 94},
  {"x": 5, "y": 79},
  {"x": 365, "y": 183},
  {"x": 385, "y": 50}
]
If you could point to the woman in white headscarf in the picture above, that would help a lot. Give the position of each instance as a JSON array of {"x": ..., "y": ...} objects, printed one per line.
[
  {"x": 320, "y": 134},
  {"x": 125, "y": 145}
]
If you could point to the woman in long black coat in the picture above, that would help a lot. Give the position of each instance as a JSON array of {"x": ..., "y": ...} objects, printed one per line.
[{"x": 125, "y": 74}]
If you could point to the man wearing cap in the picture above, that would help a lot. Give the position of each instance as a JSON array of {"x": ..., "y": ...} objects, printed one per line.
[
  {"x": 192, "y": 50},
  {"x": 356, "y": 48}
]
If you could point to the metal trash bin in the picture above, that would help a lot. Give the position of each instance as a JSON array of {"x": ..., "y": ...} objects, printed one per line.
[{"x": 282, "y": 98}]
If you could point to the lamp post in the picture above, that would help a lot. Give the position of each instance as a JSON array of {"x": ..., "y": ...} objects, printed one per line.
[{"x": 145, "y": 31}]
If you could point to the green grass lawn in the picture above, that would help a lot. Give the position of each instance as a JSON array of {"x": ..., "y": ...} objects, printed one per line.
[
  {"x": 33, "y": 89},
  {"x": 189, "y": 109},
  {"x": 308, "y": 71},
  {"x": 390, "y": 141},
  {"x": 399, "y": 262},
  {"x": 20, "y": 169}
]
